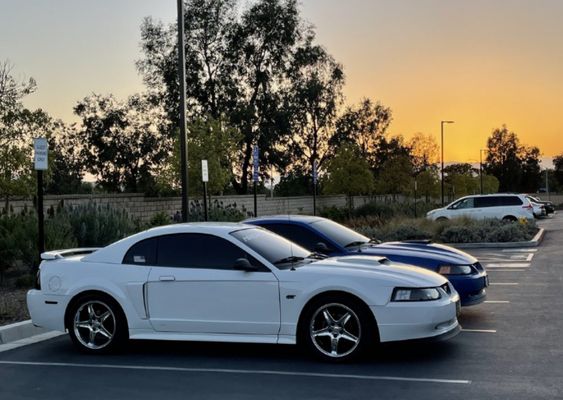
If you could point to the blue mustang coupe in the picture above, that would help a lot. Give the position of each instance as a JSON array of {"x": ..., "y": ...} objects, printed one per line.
[{"x": 325, "y": 236}]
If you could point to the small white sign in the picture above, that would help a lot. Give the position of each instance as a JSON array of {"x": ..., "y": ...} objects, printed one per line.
[
  {"x": 41, "y": 150},
  {"x": 204, "y": 171}
]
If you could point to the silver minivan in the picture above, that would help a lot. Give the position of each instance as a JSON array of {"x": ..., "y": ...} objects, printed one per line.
[{"x": 508, "y": 207}]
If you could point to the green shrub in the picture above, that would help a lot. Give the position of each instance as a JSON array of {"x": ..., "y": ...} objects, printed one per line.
[
  {"x": 159, "y": 219},
  {"x": 462, "y": 230},
  {"x": 26, "y": 281},
  {"x": 218, "y": 211},
  {"x": 460, "y": 234},
  {"x": 97, "y": 225},
  {"x": 406, "y": 232},
  {"x": 18, "y": 240},
  {"x": 508, "y": 232},
  {"x": 384, "y": 211},
  {"x": 373, "y": 209},
  {"x": 59, "y": 233},
  {"x": 335, "y": 213}
]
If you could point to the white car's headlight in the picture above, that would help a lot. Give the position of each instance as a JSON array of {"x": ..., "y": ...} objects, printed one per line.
[
  {"x": 415, "y": 294},
  {"x": 455, "y": 270}
]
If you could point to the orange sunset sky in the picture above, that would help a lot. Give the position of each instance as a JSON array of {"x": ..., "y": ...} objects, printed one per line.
[{"x": 481, "y": 63}]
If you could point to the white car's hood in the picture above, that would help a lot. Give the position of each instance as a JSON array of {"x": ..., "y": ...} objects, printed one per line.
[{"x": 377, "y": 267}]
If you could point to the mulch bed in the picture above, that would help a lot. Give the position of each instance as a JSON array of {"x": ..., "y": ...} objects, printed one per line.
[{"x": 13, "y": 307}]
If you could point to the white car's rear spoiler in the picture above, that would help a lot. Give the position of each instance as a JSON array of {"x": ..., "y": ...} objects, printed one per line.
[{"x": 60, "y": 254}]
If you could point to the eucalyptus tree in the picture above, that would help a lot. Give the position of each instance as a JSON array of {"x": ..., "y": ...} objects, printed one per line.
[
  {"x": 314, "y": 97},
  {"x": 516, "y": 166},
  {"x": 366, "y": 125},
  {"x": 237, "y": 64}
]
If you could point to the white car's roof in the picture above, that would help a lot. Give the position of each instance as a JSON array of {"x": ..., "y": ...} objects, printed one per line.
[{"x": 115, "y": 252}]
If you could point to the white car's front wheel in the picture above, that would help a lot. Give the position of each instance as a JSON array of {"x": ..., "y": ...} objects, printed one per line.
[
  {"x": 338, "y": 328},
  {"x": 96, "y": 324}
]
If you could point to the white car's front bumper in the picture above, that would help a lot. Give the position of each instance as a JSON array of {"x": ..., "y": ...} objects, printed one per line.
[
  {"x": 417, "y": 320},
  {"x": 47, "y": 311}
]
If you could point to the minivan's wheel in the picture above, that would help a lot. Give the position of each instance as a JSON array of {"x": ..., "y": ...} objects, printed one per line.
[
  {"x": 338, "y": 328},
  {"x": 96, "y": 324},
  {"x": 509, "y": 218}
]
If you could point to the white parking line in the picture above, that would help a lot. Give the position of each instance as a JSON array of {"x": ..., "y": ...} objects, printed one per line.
[
  {"x": 505, "y": 270},
  {"x": 238, "y": 371},
  {"x": 29, "y": 340},
  {"x": 507, "y": 265},
  {"x": 504, "y": 283},
  {"x": 522, "y": 257},
  {"x": 480, "y": 330},
  {"x": 497, "y": 301},
  {"x": 519, "y": 250}
]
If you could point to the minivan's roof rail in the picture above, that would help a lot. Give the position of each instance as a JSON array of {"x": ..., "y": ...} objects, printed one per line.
[{"x": 60, "y": 254}]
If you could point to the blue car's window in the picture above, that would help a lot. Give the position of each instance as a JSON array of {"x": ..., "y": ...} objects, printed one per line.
[
  {"x": 339, "y": 233},
  {"x": 298, "y": 234},
  {"x": 272, "y": 247}
]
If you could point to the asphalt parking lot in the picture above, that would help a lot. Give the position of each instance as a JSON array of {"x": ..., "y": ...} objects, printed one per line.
[{"x": 510, "y": 348}]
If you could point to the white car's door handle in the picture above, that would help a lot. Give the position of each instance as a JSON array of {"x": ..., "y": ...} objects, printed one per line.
[{"x": 167, "y": 278}]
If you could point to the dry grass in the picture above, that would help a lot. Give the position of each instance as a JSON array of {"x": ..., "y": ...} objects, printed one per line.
[{"x": 13, "y": 307}]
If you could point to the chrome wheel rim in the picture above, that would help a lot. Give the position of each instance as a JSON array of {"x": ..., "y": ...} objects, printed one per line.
[
  {"x": 335, "y": 330},
  {"x": 94, "y": 324}
]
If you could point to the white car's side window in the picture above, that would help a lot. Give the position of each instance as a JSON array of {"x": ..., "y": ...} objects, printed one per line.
[
  {"x": 194, "y": 250},
  {"x": 142, "y": 253}
]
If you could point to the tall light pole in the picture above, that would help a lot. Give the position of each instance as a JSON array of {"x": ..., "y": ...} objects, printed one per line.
[
  {"x": 442, "y": 147},
  {"x": 182, "y": 119},
  {"x": 481, "y": 167}
]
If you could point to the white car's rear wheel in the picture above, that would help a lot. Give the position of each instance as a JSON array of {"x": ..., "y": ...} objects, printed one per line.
[
  {"x": 338, "y": 328},
  {"x": 96, "y": 324}
]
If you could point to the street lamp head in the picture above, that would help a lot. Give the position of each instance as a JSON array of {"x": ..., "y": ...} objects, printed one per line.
[{"x": 448, "y": 122}]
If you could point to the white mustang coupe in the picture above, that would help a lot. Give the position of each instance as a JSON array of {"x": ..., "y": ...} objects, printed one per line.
[{"x": 236, "y": 283}]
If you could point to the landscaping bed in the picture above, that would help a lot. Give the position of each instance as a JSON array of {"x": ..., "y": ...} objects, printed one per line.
[
  {"x": 13, "y": 307},
  {"x": 460, "y": 230}
]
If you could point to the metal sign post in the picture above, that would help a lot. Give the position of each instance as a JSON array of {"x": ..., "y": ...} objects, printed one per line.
[
  {"x": 255, "y": 160},
  {"x": 415, "y": 190},
  {"x": 205, "y": 179},
  {"x": 41, "y": 154},
  {"x": 315, "y": 187},
  {"x": 182, "y": 117}
]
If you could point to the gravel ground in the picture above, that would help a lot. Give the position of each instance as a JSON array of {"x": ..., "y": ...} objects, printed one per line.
[{"x": 13, "y": 307}]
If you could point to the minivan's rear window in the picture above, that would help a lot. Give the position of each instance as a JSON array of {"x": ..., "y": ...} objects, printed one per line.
[
  {"x": 511, "y": 201},
  {"x": 497, "y": 201}
]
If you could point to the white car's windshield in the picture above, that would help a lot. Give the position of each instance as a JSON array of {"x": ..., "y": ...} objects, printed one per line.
[{"x": 274, "y": 248}]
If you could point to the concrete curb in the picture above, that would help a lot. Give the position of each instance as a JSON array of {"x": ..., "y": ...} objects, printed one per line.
[
  {"x": 19, "y": 330},
  {"x": 535, "y": 242}
]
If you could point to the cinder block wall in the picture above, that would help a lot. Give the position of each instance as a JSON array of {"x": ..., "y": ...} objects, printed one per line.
[{"x": 144, "y": 208}]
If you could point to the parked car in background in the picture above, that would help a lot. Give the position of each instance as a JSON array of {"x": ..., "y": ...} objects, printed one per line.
[
  {"x": 464, "y": 271},
  {"x": 226, "y": 282},
  {"x": 507, "y": 207},
  {"x": 549, "y": 207},
  {"x": 537, "y": 208}
]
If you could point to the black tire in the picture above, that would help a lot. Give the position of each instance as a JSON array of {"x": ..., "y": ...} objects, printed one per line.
[
  {"x": 100, "y": 329},
  {"x": 510, "y": 218},
  {"x": 442, "y": 219},
  {"x": 360, "y": 325}
]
